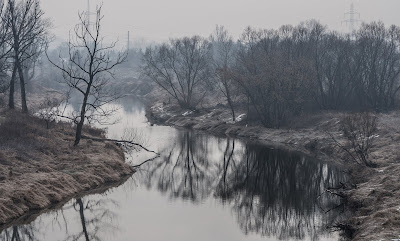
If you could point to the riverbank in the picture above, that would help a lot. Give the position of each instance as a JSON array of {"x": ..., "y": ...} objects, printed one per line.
[
  {"x": 374, "y": 192},
  {"x": 40, "y": 168}
]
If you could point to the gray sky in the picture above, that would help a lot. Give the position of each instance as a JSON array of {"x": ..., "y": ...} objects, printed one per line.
[{"x": 159, "y": 20}]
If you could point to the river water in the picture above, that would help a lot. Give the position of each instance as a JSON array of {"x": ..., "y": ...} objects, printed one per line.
[{"x": 202, "y": 188}]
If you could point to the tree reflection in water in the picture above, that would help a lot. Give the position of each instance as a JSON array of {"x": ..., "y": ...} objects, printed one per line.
[
  {"x": 20, "y": 233},
  {"x": 184, "y": 171},
  {"x": 275, "y": 192},
  {"x": 272, "y": 192},
  {"x": 95, "y": 220}
]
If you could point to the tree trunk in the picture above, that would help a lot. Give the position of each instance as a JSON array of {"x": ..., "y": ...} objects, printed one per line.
[
  {"x": 232, "y": 110},
  {"x": 12, "y": 88},
  {"x": 78, "y": 134},
  {"x": 23, "y": 93},
  {"x": 230, "y": 103}
]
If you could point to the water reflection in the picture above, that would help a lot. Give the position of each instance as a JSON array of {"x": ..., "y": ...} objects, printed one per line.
[
  {"x": 184, "y": 171},
  {"x": 272, "y": 192},
  {"x": 20, "y": 233},
  {"x": 131, "y": 105},
  {"x": 269, "y": 192},
  {"x": 275, "y": 192},
  {"x": 82, "y": 219},
  {"x": 96, "y": 218}
]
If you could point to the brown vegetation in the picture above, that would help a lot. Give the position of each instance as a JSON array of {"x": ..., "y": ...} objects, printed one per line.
[{"x": 40, "y": 167}]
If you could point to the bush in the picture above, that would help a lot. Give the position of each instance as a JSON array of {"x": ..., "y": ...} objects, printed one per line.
[{"x": 359, "y": 129}]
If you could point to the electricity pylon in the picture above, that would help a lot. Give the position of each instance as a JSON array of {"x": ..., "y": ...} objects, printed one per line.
[{"x": 351, "y": 19}]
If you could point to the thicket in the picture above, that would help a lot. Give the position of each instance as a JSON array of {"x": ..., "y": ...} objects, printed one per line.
[{"x": 285, "y": 72}]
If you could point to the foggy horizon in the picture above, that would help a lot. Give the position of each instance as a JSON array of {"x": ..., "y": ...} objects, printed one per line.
[{"x": 157, "y": 21}]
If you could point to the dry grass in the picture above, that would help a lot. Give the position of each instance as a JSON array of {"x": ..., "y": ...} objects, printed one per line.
[
  {"x": 40, "y": 167},
  {"x": 376, "y": 198}
]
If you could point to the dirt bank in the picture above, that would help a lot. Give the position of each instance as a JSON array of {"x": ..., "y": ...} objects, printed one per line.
[
  {"x": 375, "y": 192},
  {"x": 39, "y": 167}
]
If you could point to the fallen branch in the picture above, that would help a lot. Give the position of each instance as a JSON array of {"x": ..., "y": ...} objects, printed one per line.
[
  {"x": 344, "y": 227},
  {"x": 120, "y": 141},
  {"x": 340, "y": 194},
  {"x": 335, "y": 193}
]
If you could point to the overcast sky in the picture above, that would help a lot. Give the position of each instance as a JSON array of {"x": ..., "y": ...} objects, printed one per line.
[{"x": 159, "y": 20}]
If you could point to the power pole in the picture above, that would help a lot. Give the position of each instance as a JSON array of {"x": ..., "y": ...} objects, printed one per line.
[
  {"x": 351, "y": 18},
  {"x": 127, "y": 46},
  {"x": 88, "y": 14}
]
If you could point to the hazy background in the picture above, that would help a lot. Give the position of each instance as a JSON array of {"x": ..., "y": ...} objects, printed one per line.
[{"x": 158, "y": 20}]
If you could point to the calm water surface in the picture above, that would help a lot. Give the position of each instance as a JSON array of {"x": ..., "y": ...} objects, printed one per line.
[{"x": 201, "y": 188}]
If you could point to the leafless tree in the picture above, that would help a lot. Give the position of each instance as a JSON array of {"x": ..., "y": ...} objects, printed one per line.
[
  {"x": 49, "y": 110},
  {"x": 359, "y": 130},
  {"x": 378, "y": 59},
  {"x": 223, "y": 60},
  {"x": 30, "y": 65},
  {"x": 87, "y": 70},
  {"x": 4, "y": 48},
  {"x": 278, "y": 86},
  {"x": 29, "y": 28},
  {"x": 181, "y": 68}
]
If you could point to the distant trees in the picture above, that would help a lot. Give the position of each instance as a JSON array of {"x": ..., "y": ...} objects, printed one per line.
[
  {"x": 28, "y": 35},
  {"x": 181, "y": 67},
  {"x": 378, "y": 60},
  {"x": 4, "y": 48},
  {"x": 285, "y": 72},
  {"x": 87, "y": 69},
  {"x": 224, "y": 52},
  {"x": 277, "y": 81}
]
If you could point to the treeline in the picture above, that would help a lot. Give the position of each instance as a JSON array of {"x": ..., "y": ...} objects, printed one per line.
[
  {"x": 284, "y": 72},
  {"x": 23, "y": 38}
]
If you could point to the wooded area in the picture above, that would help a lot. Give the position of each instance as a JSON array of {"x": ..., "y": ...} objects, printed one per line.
[{"x": 284, "y": 72}]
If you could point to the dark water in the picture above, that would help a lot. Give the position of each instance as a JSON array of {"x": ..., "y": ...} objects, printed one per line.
[{"x": 201, "y": 188}]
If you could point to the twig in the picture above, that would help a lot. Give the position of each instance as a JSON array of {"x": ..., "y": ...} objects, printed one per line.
[
  {"x": 334, "y": 193},
  {"x": 343, "y": 148},
  {"x": 120, "y": 141},
  {"x": 149, "y": 160}
]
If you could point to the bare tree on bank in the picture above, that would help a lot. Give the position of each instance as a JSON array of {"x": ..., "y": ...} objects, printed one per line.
[
  {"x": 181, "y": 68},
  {"x": 87, "y": 69},
  {"x": 4, "y": 48},
  {"x": 224, "y": 57},
  {"x": 28, "y": 28}
]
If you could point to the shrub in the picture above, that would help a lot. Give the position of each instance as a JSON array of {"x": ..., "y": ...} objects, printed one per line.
[{"x": 359, "y": 129}]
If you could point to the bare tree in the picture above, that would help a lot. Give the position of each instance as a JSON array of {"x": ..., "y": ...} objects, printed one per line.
[
  {"x": 224, "y": 57},
  {"x": 182, "y": 68},
  {"x": 28, "y": 27},
  {"x": 87, "y": 69},
  {"x": 4, "y": 48},
  {"x": 359, "y": 130},
  {"x": 379, "y": 60},
  {"x": 277, "y": 83},
  {"x": 35, "y": 51}
]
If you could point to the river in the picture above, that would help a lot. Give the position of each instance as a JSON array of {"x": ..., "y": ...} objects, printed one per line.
[{"x": 202, "y": 188}]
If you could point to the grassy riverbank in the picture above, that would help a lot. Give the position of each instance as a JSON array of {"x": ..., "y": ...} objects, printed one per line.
[
  {"x": 374, "y": 192},
  {"x": 39, "y": 167}
]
